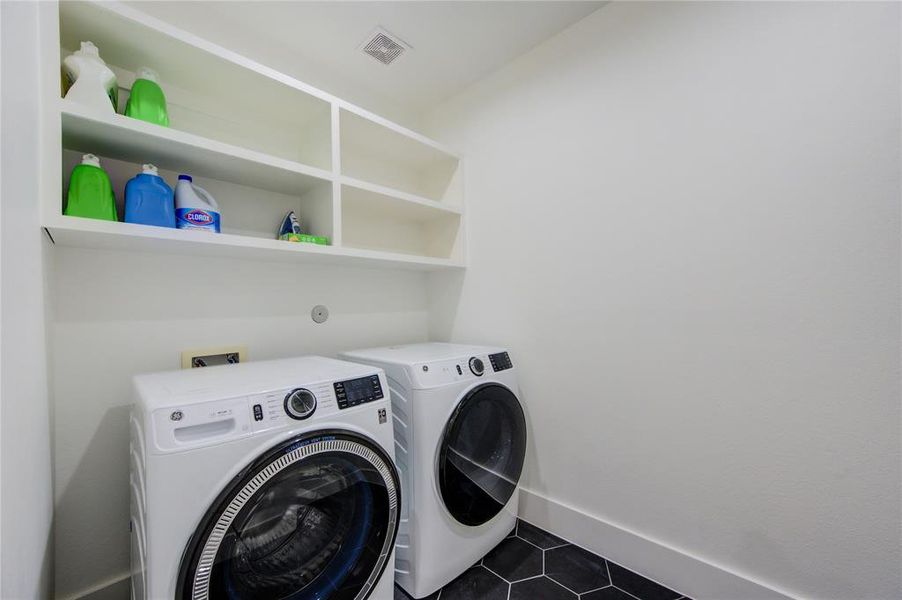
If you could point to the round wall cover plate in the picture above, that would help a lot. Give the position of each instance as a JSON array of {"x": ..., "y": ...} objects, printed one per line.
[{"x": 319, "y": 314}]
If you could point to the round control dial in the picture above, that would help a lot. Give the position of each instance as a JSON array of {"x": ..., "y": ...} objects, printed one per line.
[
  {"x": 477, "y": 366},
  {"x": 300, "y": 403}
]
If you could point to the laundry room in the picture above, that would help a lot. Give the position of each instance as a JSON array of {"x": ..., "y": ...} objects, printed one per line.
[{"x": 450, "y": 300}]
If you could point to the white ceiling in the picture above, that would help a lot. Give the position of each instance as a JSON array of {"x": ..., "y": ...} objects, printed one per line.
[{"x": 454, "y": 43}]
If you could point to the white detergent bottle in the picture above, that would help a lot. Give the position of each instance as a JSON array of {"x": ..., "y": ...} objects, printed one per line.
[
  {"x": 92, "y": 82},
  {"x": 195, "y": 208}
]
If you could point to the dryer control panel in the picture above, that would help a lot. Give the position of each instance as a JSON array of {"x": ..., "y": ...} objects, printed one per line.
[{"x": 466, "y": 368}]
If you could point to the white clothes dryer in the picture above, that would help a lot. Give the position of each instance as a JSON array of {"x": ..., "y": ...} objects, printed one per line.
[{"x": 460, "y": 444}]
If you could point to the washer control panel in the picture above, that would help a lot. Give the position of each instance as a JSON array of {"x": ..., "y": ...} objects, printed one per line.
[
  {"x": 501, "y": 361},
  {"x": 255, "y": 409},
  {"x": 288, "y": 406},
  {"x": 358, "y": 391}
]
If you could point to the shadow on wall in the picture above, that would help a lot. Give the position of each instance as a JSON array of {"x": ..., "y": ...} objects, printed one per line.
[
  {"x": 757, "y": 543},
  {"x": 100, "y": 468},
  {"x": 445, "y": 289}
]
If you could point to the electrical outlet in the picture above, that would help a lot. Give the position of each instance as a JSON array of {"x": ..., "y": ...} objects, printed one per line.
[{"x": 209, "y": 357}]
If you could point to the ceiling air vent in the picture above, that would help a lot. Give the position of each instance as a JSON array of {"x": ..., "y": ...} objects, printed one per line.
[{"x": 383, "y": 46}]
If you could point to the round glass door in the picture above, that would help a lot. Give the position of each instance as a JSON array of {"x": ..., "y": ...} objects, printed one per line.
[
  {"x": 313, "y": 519},
  {"x": 482, "y": 453}
]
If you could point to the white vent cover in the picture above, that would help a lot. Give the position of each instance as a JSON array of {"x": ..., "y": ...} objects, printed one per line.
[{"x": 383, "y": 46}]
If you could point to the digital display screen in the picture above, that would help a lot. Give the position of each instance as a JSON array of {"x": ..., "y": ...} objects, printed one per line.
[
  {"x": 500, "y": 361},
  {"x": 357, "y": 391}
]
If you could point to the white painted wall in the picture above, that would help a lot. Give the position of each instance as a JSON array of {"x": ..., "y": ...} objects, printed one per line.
[
  {"x": 684, "y": 221},
  {"x": 118, "y": 314},
  {"x": 25, "y": 494}
]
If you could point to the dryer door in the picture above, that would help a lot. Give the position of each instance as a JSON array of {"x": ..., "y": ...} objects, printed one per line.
[
  {"x": 313, "y": 519},
  {"x": 482, "y": 453}
]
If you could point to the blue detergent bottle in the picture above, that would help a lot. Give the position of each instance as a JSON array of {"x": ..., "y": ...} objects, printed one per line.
[{"x": 149, "y": 200}]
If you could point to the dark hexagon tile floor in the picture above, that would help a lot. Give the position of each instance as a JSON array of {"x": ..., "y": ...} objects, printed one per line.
[
  {"x": 639, "y": 586},
  {"x": 540, "y": 587},
  {"x": 537, "y": 537},
  {"x": 532, "y": 564},
  {"x": 576, "y": 569},
  {"x": 514, "y": 559},
  {"x": 608, "y": 593},
  {"x": 475, "y": 584}
]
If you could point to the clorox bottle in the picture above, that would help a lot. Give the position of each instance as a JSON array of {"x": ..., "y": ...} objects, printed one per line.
[
  {"x": 195, "y": 208},
  {"x": 92, "y": 82},
  {"x": 148, "y": 200}
]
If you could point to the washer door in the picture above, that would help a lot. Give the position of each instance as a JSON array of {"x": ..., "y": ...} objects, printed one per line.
[
  {"x": 482, "y": 453},
  {"x": 313, "y": 519}
]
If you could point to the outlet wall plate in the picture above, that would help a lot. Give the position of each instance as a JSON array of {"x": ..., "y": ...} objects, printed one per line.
[{"x": 213, "y": 355}]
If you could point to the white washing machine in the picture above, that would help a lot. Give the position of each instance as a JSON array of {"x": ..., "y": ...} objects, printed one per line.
[
  {"x": 263, "y": 480},
  {"x": 460, "y": 442}
]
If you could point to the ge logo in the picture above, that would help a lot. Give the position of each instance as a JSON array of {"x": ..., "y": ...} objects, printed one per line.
[{"x": 176, "y": 415}]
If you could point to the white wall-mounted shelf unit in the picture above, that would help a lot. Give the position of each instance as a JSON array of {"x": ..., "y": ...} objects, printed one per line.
[{"x": 260, "y": 141}]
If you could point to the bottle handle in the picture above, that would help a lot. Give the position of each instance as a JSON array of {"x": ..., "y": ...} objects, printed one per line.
[{"x": 206, "y": 196}]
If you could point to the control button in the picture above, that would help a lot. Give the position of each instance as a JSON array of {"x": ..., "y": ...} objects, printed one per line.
[
  {"x": 258, "y": 412},
  {"x": 459, "y": 370},
  {"x": 300, "y": 403},
  {"x": 477, "y": 367}
]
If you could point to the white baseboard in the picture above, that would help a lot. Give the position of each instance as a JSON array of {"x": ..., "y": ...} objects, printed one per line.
[{"x": 690, "y": 575}]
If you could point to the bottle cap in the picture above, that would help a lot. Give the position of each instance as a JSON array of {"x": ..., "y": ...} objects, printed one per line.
[
  {"x": 148, "y": 74},
  {"x": 90, "y": 159},
  {"x": 89, "y": 49},
  {"x": 149, "y": 170},
  {"x": 185, "y": 177}
]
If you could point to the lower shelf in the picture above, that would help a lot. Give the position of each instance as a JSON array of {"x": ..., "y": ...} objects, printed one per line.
[{"x": 108, "y": 235}]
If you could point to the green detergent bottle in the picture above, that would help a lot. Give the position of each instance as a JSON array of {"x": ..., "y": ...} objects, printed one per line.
[
  {"x": 147, "y": 101},
  {"x": 90, "y": 191}
]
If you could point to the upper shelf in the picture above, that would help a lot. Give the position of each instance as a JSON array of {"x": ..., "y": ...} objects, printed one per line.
[
  {"x": 137, "y": 141},
  {"x": 413, "y": 206},
  {"x": 210, "y": 91},
  {"x": 394, "y": 159}
]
